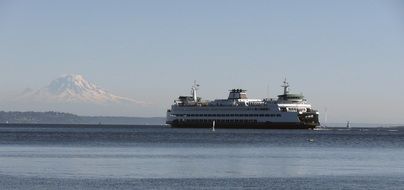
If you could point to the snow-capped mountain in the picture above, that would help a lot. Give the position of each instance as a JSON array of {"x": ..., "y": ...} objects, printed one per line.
[{"x": 74, "y": 88}]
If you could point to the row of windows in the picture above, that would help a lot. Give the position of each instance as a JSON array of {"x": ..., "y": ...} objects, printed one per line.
[
  {"x": 230, "y": 108},
  {"x": 229, "y": 115},
  {"x": 221, "y": 120},
  {"x": 297, "y": 109}
]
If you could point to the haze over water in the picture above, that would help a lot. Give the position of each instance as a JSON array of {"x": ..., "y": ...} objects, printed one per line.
[
  {"x": 346, "y": 56},
  {"x": 142, "y": 157}
]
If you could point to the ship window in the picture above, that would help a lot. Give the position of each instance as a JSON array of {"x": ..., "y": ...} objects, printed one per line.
[
  {"x": 266, "y": 115},
  {"x": 261, "y": 115}
]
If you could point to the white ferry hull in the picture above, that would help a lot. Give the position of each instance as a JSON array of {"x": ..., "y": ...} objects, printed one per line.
[
  {"x": 240, "y": 125},
  {"x": 289, "y": 111}
]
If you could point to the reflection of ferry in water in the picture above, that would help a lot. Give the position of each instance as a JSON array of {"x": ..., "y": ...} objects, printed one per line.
[{"x": 288, "y": 111}]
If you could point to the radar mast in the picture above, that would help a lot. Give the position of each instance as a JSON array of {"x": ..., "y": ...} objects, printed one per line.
[
  {"x": 194, "y": 90},
  {"x": 285, "y": 87}
]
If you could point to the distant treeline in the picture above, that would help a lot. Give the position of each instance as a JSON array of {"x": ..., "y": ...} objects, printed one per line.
[{"x": 52, "y": 117}]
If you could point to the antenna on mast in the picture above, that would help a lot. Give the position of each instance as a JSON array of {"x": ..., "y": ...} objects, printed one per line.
[
  {"x": 325, "y": 116},
  {"x": 268, "y": 91},
  {"x": 285, "y": 87},
  {"x": 194, "y": 90}
]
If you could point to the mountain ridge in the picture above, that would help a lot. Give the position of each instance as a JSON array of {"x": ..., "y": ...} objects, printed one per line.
[{"x": 73, "y": 88}]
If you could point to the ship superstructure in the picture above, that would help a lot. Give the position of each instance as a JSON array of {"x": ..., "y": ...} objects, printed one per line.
[{"x": 288, "y": 111}]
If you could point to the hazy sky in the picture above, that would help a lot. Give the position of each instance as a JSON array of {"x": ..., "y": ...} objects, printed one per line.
[{"x": 347, "y": 56}]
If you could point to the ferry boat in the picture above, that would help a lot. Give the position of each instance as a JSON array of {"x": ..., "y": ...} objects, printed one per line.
[{"x": 288, "y": 111}]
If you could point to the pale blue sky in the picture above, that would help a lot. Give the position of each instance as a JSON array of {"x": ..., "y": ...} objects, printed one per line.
[{"x": 347, "y": 56}]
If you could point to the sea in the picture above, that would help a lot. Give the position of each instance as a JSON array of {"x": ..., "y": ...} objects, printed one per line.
[{"x": 160, "y": 157}]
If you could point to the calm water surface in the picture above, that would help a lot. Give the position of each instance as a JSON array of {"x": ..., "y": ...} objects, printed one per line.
[{"x": 157, "y": 157}]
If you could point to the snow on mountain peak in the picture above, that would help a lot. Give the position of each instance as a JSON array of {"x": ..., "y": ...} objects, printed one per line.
[
  {"x": 73, "y": 83},
  {"x": 75, "y": 88}
]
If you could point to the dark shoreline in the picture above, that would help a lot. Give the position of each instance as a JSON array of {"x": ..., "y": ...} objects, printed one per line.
[{"x": 50, "y": 125}]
